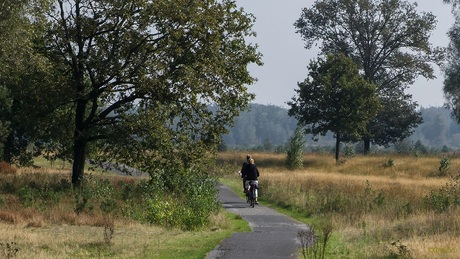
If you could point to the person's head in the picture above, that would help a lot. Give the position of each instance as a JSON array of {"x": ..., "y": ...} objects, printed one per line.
[
  {"x": 248, "y": 157},
  {"x": 251, "y": 161}
]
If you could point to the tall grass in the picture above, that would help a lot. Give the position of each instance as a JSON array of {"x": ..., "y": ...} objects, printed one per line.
[
  {"x": 113, "y": 216},
  {"x": 380, "y": 206}
]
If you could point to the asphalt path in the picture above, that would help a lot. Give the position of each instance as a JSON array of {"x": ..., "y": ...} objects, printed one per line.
[{"x": 273, "y": 235}]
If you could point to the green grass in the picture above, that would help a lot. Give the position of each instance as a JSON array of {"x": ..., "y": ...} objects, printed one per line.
[{"x": 198, "y": 244}]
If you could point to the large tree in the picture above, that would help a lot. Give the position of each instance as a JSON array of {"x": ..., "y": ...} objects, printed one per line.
[
  {"x": 335, "y": 98},
  {"x": 452, "y": 69},
  {"x": 23, "y": 71},
  {"x": 389, "y": 41},
  {"x": 141, "y": 75}
]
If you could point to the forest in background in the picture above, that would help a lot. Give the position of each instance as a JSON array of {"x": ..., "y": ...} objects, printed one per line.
[{"x": 269, "y": 128}]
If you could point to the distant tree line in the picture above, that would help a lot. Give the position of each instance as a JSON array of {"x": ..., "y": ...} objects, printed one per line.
[{"x": 269, "y": 128}]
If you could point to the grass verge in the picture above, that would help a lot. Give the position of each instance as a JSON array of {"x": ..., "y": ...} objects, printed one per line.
[{"x": 131, "y": 240}]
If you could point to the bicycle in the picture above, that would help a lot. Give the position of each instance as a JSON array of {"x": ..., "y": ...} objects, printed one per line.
[{"x": 251, "y": 194}]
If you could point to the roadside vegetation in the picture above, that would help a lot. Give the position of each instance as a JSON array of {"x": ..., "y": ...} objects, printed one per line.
[
  {"x": 378, "y": 206},
  {"x": 112, "y": 217},
  {"x": 375, "y": 206}
]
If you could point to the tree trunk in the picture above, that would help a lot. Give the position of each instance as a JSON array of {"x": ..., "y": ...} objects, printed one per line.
[
  {"x": 79, "y": 146},
  {"x": 367, "y": 146},
  {"x": 78, "y": 167},
  {"x": 337, "y": 147},
  {"x": 8, "y": 148}
]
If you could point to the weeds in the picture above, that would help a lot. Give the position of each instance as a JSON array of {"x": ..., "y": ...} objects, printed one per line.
[
  {"x": 9, "y": 250},
  {"x": 401, "y": 250},
  {"x": 389, "y": 163},
  {"x": 313, "y": 246},
  {"x": 109, "y": 230},
  {"x": 444, "y": 166},
  {"x": 445, "y": 198}
]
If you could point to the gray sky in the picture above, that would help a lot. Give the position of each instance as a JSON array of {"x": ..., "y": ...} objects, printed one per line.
[{"x": 286, "y": 60}]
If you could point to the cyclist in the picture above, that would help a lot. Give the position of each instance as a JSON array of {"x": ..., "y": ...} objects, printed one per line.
[
  {"x": 243, "y": 172},
  {"x": 252, "y": 174}
]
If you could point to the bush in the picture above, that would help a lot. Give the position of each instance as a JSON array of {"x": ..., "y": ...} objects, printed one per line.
[
  {"x": 186, "y": 202},
  {"x": 445, "y": 198},
  {"x": 6, "y": 168},
  {"x": 444, "y": 166},
  {"x": 295, "y": 150}
]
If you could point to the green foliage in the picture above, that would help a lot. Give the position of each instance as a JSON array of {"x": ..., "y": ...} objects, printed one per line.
[
  {"x": 342, "y": 26},
  {"x": 96, "y": 192},
  {"x": 444, "y": 166},
  {"x": 389, "y": 163},
  {"x": 335, "y": 98},
  {"x": 38, "y": 194},
  {"x": 24, "y": 81},
  {"x": 446, "y": 197},
  {"x": 349, "y": 150},
  {"x": 296, "y": 146},
  {"x": 185, "y": 202},
  {"x": 419, "y": 148},
  {"x": 451, "y": 82},
  {"x": 149, "y": 82}
]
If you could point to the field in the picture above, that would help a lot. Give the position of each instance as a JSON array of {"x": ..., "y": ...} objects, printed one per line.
[
  {"x": 379, "y": 206},
  {"x": 42, "y": 217}
]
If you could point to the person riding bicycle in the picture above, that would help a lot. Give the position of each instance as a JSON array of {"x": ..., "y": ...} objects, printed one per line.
[
  {"x": 243, "y": 172},
  {"x": 252, "y": 174}
]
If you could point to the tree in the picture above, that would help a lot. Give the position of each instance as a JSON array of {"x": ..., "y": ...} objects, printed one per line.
[
  {"x": 389, "y": 41},
  {"x": 452, "y": 68},
  {"x": 22, "y": 71},
  {"x": 140, "y": 77},
  {"x": 297, "y": 142},
  {"x": 336, "y": 98}
]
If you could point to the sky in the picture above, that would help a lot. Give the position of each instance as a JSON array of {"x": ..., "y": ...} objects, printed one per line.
[{"x": 286, "y": 60}]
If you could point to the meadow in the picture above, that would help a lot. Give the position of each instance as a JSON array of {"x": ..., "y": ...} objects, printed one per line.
[
  {"x": 42, "y": 217},
  {"x": 378, "y": 206}
]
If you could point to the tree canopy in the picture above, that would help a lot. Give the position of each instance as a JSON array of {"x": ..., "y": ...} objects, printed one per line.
[
  {"x": 389, "y": 41},
  {"x": 138, "y": 78},
  {"x": 23, "y": 75},
  {"x": 452, "y": 69},
  {"x": 336, "y": 98}
]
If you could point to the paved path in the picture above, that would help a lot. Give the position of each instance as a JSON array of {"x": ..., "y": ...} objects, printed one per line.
[{"x": 273, "y": 235}]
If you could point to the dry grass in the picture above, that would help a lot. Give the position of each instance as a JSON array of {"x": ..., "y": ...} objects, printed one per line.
[
  {"x": 67, "y": 241},
  {"x": 377, "y": 203},
  {"x": 44, "y": 223}
]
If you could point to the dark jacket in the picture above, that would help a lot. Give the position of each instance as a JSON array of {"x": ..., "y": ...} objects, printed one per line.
[
  {"x": 252, "y": 173},
  {"x": 243, "y": 170}
]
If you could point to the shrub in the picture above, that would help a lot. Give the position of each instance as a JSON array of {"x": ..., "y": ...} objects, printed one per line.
[
  {"x": 446, "y": 197},
  {"x": 186, "y": 202},
  {"x": 389, "y": 163},
  {"x": 6, "y": 168},
  {"x": 295, "y": 150},
  {"x": 444, "y": 166}
]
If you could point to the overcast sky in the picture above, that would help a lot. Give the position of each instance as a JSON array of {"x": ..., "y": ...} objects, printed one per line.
[{"x": 286, "y": 60}]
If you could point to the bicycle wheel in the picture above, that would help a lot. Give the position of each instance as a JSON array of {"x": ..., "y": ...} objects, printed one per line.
[{"x": 253, "y": 196}]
